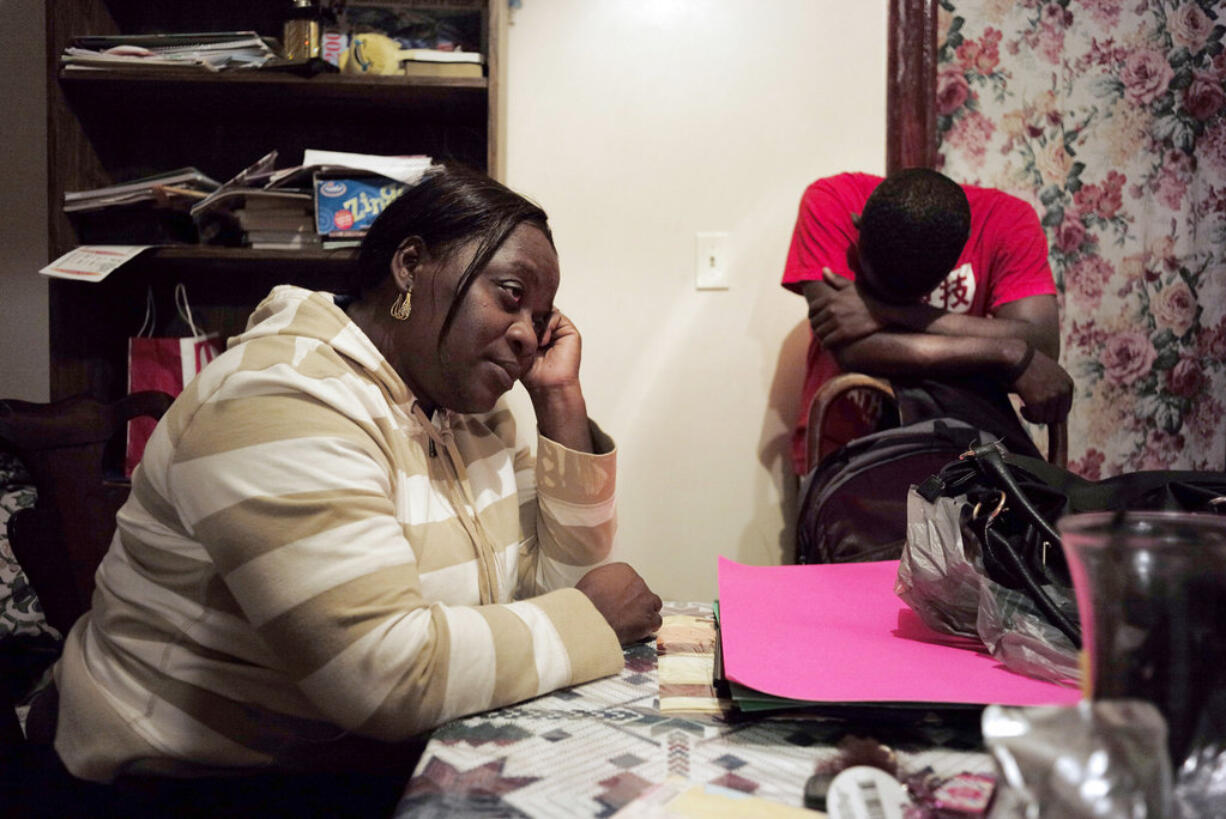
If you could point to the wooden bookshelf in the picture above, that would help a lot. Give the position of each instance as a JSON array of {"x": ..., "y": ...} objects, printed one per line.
[{"x": 113, "y": 125}]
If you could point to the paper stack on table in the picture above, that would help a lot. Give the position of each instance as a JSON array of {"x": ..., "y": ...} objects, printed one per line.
[{"x": 837, "y": 633}]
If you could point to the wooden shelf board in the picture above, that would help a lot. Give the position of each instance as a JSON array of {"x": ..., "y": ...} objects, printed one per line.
[
  {"x": 247, "y": 254},
  {"x": 377, "y": 86}
]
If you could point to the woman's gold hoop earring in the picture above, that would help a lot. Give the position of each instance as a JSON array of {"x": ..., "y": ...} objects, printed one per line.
[{"x": 402, "y": 305}]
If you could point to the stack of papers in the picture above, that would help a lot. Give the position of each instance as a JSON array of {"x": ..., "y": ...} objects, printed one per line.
[
  {"x": 207, "y": 51},
  {"x": 403, "y": 169},
  {"x": 184, "y": 182},
  {"x": 837, "y": 634}
]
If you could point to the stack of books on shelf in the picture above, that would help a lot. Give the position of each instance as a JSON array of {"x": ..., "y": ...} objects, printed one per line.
[
  {"x": 206, "y": 51},
  {"x": 278, "y": 222}
]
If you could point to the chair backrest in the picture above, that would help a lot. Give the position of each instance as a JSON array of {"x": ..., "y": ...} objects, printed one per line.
[
  {"x": 819, "y": 444},
  {"x": 60, "y": 541}
]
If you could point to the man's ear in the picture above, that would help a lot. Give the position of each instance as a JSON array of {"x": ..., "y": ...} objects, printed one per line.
[{"x": 407, "y": 261}]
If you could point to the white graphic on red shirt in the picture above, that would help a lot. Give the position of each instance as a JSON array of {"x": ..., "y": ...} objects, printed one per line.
[{"x": 957, "y": 293}]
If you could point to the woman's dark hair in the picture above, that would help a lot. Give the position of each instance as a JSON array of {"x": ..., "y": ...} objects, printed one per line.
[
  {"x": 912, "y": 230},
  {"x": 450, "y": 206}
]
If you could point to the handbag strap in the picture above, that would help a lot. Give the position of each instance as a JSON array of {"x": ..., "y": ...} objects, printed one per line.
[
  {"x": 990, "y": 459},
  {"x": 1003, "y": 549}
]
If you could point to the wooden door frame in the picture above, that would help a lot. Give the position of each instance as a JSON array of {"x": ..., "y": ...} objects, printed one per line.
[{"x": 911, "y": 81}]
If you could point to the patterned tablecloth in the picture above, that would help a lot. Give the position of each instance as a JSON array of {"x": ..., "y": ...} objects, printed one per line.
[{"x": 588, "y": 750}]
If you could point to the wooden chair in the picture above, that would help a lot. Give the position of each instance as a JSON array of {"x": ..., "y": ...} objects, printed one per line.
[
  {"x": 842, "y": 385},
  {"x": 60, "y": 541}
]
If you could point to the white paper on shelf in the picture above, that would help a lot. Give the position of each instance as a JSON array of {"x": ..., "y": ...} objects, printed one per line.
[
  {"x": 406, "y": 169},
  {"x": 92, "y": 263}
]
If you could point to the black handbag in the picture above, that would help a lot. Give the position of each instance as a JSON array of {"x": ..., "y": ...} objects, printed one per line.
[{"x": 1015, "y": 501}]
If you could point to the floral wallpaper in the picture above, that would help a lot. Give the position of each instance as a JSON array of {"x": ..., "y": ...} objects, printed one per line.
[{"x": 1109, "y": 116}]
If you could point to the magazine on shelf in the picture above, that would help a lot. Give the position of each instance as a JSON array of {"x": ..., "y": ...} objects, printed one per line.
[
  {"x": 188, "y": 181},
  {"x": 202, "y": 51}
]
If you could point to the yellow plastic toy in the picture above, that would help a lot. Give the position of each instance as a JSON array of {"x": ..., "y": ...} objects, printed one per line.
[{"x": 372, "y": 53}]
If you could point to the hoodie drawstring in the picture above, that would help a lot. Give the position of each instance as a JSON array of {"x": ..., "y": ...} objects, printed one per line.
[{"x": 483, "y": 546}]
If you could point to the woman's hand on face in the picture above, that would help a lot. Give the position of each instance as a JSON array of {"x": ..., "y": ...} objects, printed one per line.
[
  {"x": 553, "y": 385},
  {"x": 556, "y": 365}
]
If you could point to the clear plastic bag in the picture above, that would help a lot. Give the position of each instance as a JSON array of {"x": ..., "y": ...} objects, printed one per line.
[{"x": 941, "y": 577}]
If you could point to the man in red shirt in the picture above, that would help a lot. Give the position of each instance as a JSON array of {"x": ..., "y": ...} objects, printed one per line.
[{"x": 917, "y": 276}]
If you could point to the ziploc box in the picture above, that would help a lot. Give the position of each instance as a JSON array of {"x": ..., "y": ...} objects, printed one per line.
[{"x": 346, "y": 202}]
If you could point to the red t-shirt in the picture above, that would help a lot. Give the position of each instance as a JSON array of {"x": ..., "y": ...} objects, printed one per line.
[{"x": 1004, "y": 260}]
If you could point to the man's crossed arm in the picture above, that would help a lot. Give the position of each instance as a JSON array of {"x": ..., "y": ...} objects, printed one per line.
[{"x": 1018, "y": 346}]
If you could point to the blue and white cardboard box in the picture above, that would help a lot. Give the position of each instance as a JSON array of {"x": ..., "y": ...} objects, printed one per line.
[{"x": 346, "y": 205}]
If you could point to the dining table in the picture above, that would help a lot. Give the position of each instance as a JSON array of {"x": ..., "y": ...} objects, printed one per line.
[{"x": 592, "y": 749}]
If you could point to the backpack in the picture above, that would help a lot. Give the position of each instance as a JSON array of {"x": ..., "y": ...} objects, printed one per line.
[{"x": 854, "y": 502}]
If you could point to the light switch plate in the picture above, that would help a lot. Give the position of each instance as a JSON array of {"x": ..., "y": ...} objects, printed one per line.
[{"x": 711, "y": 261}]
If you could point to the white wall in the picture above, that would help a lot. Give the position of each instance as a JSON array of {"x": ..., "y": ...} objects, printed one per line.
[
  {"x": 24, "y": 352},
  {"x": 637, "y": 124}
]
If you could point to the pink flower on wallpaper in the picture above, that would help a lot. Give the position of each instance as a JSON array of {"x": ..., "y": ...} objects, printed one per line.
[
  {"x": 952, "y": 90},
  {"x": 1087, "y": 197},
  {"x": 1100, "y": 52},
  {"x": 1104, "y": 12},
  {"x": 1189, "y": 27},
  {"x": 1170, "y": 186},
  {"x": 1204, "y": 97},
  {"x": 1088, "y": 277},
  {"x": 1071, "y": 233},
  {"x": 1127, "y": 357},
  {"x": 1112, "y": 198},
  {"x": 1049, "y": 41},
  {"x": 1211, "y": 343},
  {"x": 1086, "y": 337},
  {"x": 1145, "y": 75},
  {"x": 1090, "y": 466},
  {"x": 1174, "y": 307},
  {"x": 1186, "y": 379},
  {"x": 981, "y": 56},
  {"x": 970, "y": 134}
]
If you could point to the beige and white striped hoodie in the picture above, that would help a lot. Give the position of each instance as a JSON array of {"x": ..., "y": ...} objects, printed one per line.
[{"x": 305, "y": 556}]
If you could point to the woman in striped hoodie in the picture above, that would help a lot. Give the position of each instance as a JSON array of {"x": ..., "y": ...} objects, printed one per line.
[{"x": 338, "y": 537}]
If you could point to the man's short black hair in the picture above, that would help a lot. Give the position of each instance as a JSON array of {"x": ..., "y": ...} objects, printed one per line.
[{"x": 912, "y": 230}]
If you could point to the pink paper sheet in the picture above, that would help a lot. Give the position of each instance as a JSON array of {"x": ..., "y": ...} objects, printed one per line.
[{"x": 838, "y": 633}]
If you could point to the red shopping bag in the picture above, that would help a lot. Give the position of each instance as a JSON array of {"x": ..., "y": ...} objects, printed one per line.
[{"x": 165, "y": 364}]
